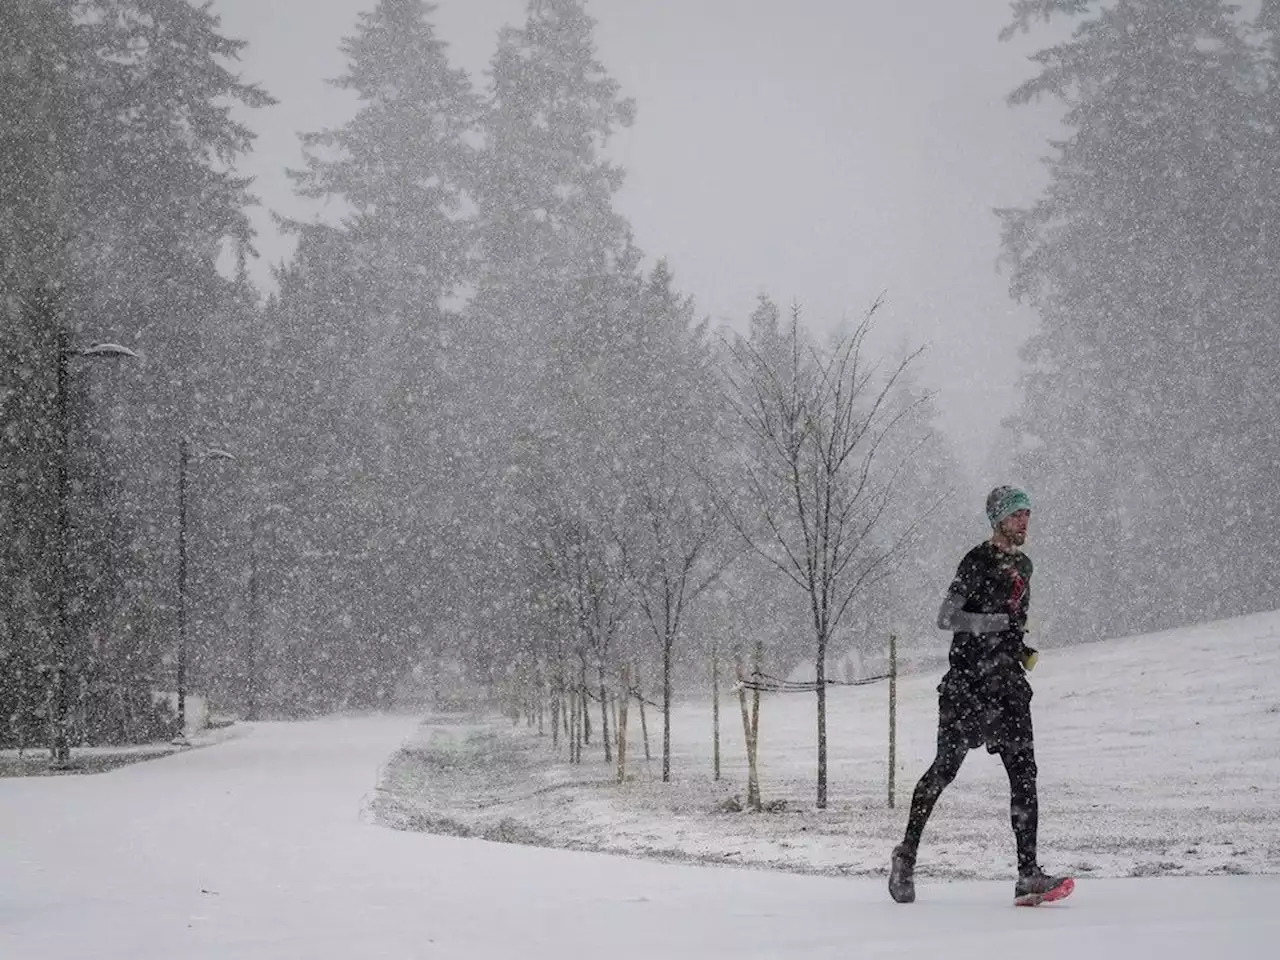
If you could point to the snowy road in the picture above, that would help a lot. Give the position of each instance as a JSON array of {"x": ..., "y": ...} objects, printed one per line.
[{"x": 257, "y": 848}]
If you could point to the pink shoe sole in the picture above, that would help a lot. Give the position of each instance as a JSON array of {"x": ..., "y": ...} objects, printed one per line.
[{"x": 1060, "y": 892}]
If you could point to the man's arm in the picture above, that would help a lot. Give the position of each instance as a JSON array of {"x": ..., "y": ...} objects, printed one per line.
[{"x": 952, "y": 616}]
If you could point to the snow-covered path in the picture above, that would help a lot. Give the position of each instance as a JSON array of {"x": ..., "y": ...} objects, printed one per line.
[{"x": 258, "y": 848}]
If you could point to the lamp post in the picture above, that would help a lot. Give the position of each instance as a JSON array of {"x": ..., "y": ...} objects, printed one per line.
[
  {"x": 184, "y": 457},
  {"x": 60, "y": 753}
]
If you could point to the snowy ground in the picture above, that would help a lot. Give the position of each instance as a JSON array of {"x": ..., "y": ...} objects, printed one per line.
[
  {"x": 34, "y": 761},
  {"x": 1158, "y": 755},
  {"x": 261, "y": 848}
]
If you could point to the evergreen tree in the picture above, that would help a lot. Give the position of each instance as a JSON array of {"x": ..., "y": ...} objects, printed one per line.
[
  {"x": 546, "y": 227},
  {"x": 116, "y": 197},
  {"x": 668, "y": 450},
  {"x": 372, "y": 293},
  {"x": 556, "y": 272},
  {"x": 1132, "y": 256},
  {"x": 1246, "y": 439}
]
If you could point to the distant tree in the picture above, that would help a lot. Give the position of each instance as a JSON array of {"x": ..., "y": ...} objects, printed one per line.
[
  {"x": 1145, "y": 258},
  {"x": 666, "y": 447},
  {"x": 116, "y": 199},
  {"x": 818, "y": 483},
  {"x": 370, "y": 296}
]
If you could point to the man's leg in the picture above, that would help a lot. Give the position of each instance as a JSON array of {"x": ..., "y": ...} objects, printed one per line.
[
  {"x": 952, "y": 749},
  {"x": 1019, "y": 757}
]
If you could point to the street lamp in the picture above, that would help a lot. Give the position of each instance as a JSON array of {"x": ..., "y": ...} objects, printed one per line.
[
  {"x": 60, "y": 753},
  {"x": 184, "y": 457}
]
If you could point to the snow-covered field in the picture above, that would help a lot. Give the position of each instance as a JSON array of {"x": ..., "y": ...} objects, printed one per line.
[
  {"x": 1158, "y": 755},
  {"x": 260, "y": 848},
  {"x": 264, "y": 847}
]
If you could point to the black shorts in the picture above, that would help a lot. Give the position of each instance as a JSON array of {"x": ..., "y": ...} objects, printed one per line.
[{"x": 990, "y": 708}]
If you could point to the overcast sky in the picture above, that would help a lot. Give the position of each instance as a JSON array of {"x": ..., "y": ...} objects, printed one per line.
[{"x": 819, "y": 150}]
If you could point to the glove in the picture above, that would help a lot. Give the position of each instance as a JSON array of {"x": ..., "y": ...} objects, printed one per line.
[{"x": 1030, "y": 657}]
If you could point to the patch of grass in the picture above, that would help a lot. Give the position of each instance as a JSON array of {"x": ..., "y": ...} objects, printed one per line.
[
  {"x": 506, "y": 830},
  {"x": 37, "y": 764},
  {"x": 475, "y": 752}
]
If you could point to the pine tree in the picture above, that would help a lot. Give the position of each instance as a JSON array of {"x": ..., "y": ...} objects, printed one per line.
[
  {"x": 401, "y": 168},
  {"x": 546, "y": 225},
  {"x": 1131, "y": 256},
  {"x": 115, "y": 200},
  {"x": 556, "y": 273},
  {"x": 668, "y": 450},
  {"x": 546, "y": 195},
  {"x": 34, "y": 58},
  {"x": 1247, "y": 440}
]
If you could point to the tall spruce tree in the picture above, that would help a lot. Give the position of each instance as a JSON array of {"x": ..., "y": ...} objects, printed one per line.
[
  {"x": 1132, "y": 258},
  {"x": 371, "y": 295},
  {"x": 556, "y": 266},
  {"x": 1248, "y": 440},
  {"x": 546, "y": 225},
  {"x": 117, "y": 196}
]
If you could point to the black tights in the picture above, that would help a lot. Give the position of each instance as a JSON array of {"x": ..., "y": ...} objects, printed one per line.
[{"x": 1019, "y": 762}]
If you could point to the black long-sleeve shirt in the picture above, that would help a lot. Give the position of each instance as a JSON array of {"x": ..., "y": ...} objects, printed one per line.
[{"x": 986, "y": 607}]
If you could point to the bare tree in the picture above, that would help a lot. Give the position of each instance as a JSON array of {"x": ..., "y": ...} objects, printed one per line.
[
  {"x": 600, "y": 591},
  {"x": 751, "y": 728},
  {"x": 675, "y": 556},
  {"x": 816, "y": 484}
]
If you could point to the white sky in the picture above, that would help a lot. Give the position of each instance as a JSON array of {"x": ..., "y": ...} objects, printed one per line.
[{"x": 822, "y": 150}]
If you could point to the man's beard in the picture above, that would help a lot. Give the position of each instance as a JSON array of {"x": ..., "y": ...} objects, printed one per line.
[{"x": 1015, "y": 538}]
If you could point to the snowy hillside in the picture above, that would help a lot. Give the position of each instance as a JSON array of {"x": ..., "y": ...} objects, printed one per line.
[{"x": 1158, "y": 755}]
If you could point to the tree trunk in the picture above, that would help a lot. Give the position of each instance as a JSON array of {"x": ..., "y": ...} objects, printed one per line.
[
  {"x": 749, "y": 729},
  {"x": 584, "y": 713},
  {"x": 621, "y": 725},
  {"x": 555, "y": 719},
  {"x": 604, "y": 717},
  {"x": 644, "y": 730},
  {"x": 893, "y": 716},
  {"x": 755, "y": 722},
  {"x": 667, "y": 643},
  {"x": 541, "y": 704},
  {"x": 575, "y": 749},
  {"x": 565, "y": 697},
  {"x": 644, "y": 722},
  {"x": 715, "y": 709},
  {"x": 822, "y": 720},
  {"x": 544, "y": 692}
]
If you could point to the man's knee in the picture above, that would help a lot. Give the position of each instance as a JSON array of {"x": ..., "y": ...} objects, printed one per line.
[
  {"x": 1020, "y": 762},
  {"x": 946, "y": 767}
]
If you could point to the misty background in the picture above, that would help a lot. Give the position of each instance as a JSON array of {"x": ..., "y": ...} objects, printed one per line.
[
  {"x": 479, "y": 373},
  {"x": 823, "y": 153}
]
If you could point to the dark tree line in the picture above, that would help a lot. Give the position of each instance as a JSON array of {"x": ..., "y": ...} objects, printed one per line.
[{"x": 479, "y": 437}]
